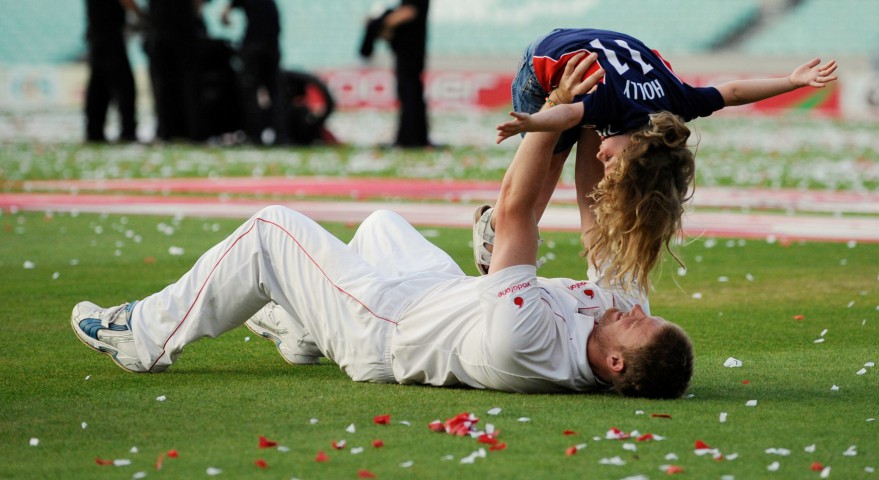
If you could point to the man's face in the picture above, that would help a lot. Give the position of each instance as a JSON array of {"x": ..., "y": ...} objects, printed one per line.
[{"x": 627, "y": 330}]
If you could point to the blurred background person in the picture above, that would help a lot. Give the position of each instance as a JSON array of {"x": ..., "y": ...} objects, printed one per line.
[
  {"x": 260, "y": 56},
  {"x": 405, "y": 28},
  {"x": 110, "y": 77},
  {"x": 173, "y": 28}
]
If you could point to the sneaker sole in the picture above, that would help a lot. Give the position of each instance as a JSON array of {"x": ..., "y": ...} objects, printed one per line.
[
  {"x": 297, "y": 359},
  {"x": 101, "y": 347},
  {"x": 477, "y": 215}
]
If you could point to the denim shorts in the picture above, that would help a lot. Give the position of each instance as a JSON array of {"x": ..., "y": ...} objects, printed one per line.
[{"x": 529, "y": 97}]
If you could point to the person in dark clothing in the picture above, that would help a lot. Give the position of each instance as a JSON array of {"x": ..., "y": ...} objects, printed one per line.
[
  {"x": 260, "y": 56},
  {"x": 172, "y": 30},
  {"x": 405, "y": 28},
  {"x": 110, "y": 78}
]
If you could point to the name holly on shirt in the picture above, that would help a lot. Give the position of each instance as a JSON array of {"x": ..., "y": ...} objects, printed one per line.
[{"x": 643, "y": 90}]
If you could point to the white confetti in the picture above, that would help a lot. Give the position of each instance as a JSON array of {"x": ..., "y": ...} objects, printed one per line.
[
  {"x": 213, "y": 471},
  {"x": 29, "y": 265},
  {"x": 861, "y": 371},
  {"x": 88, "y": 377},
  {"x": 133, "y": 450},
  {"x": 446, "y": 458},
  {"x": 84, "y": 425},
  {"x": 247, "y": 339},
  {"x": 283, "y": 448},
  {"x": 631, "y": 447},
  {"x": 850, "y": 304},
  {"x": 356, "y": 450},
  {"x": 612, "y": 461},
  {"x": 723, "y": 279},
  {"x": 869, "y": 469},
  {"x": 139, "y": 475},
  {"x": 871, "y": 419},
  {"x": 34, "y": 442},
  {"x": 697, "y": 295},
  {"x": 121, "y": 462},
  {"x": 682, "y": 272},
  {"x": 773, "y": 467},
  {"x": 351, "y": 428},
  {"x": 524, "y": 419},
  {"x": 751, "y": 403},
  {"x": 55, "y": 276},
  {"x": 405, "y": 422},
  {"x": 870, "y": 364},
  {"x": 732, "y": 363},
  {"x": 639, "y": 412},
  {"x": 161, "y": 398},
  {"x": 671, "y": 457},
  {"x": 823, "y": 332},
  {"x": 819, "y": 340},
  {"x": 494, "y": 411},
  {"x": 313, "y": 421},
  {"x": 407, "y": 464},
  {"x": 809, "y": 448},
  {"x": 749, "y": 277},
  {"x": 732, "y": 456},
  {"x": 176, "y": 251},
  {"x": 851, "y": 451},
  {"x": 778, "y": 451},
  {"x": 852, "y": 243},
  {"x": 825, "y": 472},
  {"x": 722, "y": 417}
]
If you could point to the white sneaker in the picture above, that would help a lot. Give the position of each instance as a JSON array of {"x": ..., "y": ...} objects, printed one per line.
[
  {"x": 106, "y": 330},
  {"x": 295, "y": 346},
  {"x": 483, "y": 236}
]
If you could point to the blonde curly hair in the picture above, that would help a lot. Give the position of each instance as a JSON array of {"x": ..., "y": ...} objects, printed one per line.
[{"x": 638, "y": 207}]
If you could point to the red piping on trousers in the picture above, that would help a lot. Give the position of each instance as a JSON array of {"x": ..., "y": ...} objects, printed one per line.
[{"x": 250, "y": 230}]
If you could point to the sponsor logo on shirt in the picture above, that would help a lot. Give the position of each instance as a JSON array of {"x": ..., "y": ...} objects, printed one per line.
[{"x": 514, "y": 288}]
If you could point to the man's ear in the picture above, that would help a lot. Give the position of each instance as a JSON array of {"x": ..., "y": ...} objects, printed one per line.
[{"x": 615, "y": 363}]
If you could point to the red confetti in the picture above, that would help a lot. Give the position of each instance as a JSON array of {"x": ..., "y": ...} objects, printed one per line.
[
  {"x": 173, "y": 453},
  {"x": 497, "y": 446},
  {"x": 569, "y": 433},
  {"x": 571, "y": 450},
  {"x": 660, "y": 415},
  {"x": 378, "y": 443},
  {"x": 159, "y": 461},
  {"x": 673, "y": 469},
  {"x": 461, "y": 424},
  {"x": 102, "y": 462},
  {"x": 645, "y": 437},
  {"x": 799, "y": 318},
  {"x": 365, "y": 474},
  {"x": 700, "y": 445},
  {"x": 321, "y": 457},
  {"x": 437, "y": 426},
  {"x": 619, "y": 434},
  {"x": 488, "y": 438},
  {"x": 382, "y": 419},
  {"x": 817, "y": 467},
  {"x": 260, "y": 463},
  {"x": 339, "y": 445},
  {"x": 266, "y": 443},
  {"x": 746, "y": 382}
]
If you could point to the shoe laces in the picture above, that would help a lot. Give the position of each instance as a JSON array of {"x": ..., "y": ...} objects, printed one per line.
[{"x": 118, "y": 315}]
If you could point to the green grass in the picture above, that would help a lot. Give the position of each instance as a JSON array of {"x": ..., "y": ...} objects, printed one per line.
[{"x": 223, "y": 393}]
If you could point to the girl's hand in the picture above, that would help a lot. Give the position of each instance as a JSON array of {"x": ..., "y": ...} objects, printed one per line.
[
  {"x": 513, "y": 127},
  {"x": 812, "y": 75}
]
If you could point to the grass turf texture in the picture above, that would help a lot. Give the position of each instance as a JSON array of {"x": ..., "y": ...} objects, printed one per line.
[{"x": 223, "y": 393}]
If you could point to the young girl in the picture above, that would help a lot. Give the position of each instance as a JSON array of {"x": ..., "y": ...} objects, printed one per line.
[{"x": 629, "y": 130}]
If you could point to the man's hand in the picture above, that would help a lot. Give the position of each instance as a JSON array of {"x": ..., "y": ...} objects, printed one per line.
[
  {"x": 572, "y": 83},
  {"x": 812, "y": 75},
  {"x": 513, "y": 127}
]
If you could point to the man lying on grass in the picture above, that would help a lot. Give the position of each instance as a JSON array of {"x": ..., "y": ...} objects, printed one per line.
[{"x": 392, "y": 307}]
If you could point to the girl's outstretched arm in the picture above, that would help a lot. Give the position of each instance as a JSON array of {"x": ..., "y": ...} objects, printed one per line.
[{"x": 810, "y": 74}]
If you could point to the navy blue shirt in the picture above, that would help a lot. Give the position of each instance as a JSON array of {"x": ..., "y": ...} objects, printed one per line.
[{"x": 637, "y": 80}]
